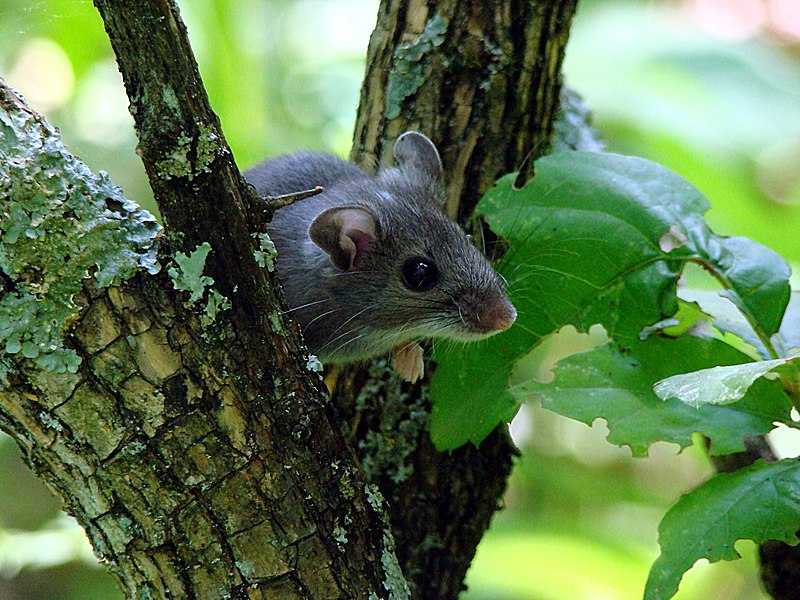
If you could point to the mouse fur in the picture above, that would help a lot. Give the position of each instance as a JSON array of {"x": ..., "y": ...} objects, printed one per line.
[{"x": 346, "y": 256}]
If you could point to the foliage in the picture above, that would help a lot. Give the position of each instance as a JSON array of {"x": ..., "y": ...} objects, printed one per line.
[
  {"x": 760, "y": 503},
  {"x": 603, "y": 239}
]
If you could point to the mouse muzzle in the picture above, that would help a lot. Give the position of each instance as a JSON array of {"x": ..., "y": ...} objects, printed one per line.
[{"x": 498, "y": 316}]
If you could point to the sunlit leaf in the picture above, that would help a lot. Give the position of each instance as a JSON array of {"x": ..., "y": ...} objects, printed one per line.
[
  {"x": 618, "y": 387},
  {"x": 717, "y": 385}
]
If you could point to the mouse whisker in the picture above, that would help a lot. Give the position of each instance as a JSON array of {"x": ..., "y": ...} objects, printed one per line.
[
  {"x": 362, "y": 311},
  {"x": 348, "y": 273},
  {"x": 331, "y": 339},
  {"x": 460, "y": 312},
  {"x": 304, "y": 306},
  {"x": 325, "y": 314},
  {"x": 350, "y": 341}
]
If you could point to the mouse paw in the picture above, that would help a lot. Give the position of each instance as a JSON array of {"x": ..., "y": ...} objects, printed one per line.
[{"x": 407, "y": 361}]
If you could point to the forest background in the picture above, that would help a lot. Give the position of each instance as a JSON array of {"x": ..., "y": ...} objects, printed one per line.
[{"x": 709, "y": 88}]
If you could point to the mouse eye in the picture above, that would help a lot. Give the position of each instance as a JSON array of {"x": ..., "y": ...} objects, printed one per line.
[{"x": 420, "y": 274}]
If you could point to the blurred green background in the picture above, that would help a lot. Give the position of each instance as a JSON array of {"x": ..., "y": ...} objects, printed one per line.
[{"x": 710, "y": 88}]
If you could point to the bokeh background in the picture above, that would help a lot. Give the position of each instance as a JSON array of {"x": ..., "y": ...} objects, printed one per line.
[{"x": 709, "y": 88}]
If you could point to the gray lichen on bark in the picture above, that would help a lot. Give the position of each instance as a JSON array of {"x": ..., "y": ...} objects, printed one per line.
[{"x": 61, "y": 224}]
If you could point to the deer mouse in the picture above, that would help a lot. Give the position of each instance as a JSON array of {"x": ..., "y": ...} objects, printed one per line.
[{"x": 373, "y": 263}]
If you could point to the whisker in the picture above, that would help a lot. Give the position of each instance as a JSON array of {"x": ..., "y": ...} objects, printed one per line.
[
  {"x": 304, "y": 306},
  {"x": 325, "y": 314},
  {"x": 348, "y": 273},
  {"x": 332, "y": 339},
  {"x": 350, "y": 341}
]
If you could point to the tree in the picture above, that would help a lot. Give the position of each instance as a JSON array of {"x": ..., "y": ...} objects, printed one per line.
[{"x": 167, "y": 399}]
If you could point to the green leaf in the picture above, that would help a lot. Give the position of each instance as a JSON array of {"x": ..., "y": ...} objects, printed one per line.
[
  {"x": 724, "y": 316},
  {"x": 717, "y": 385},
  {"x": 585, "y": 246},
  {"x": 618, "y": 387},
  {"x": 790, "y": 327},
  {"x": 760, "y": 502}
]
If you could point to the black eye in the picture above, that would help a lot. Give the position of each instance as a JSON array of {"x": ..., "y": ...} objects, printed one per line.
[{"x": 420, "y": 274}]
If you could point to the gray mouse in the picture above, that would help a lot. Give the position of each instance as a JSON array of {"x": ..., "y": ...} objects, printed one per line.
[{"x": 373, "y": 263}]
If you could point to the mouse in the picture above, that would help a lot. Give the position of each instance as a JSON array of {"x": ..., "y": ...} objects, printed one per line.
[{"x": 373, "y": 264}]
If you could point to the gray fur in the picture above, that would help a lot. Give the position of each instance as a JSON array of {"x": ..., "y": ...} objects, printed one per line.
[{"x": 351, "y": 315}]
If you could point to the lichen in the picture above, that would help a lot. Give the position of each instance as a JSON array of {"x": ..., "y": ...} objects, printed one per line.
[
  {"x": 340, "y": 534},
  {"x": 176, "y": 163},
  {"x": 384, "y": 452},
  {"x": 266, "y": 253},
  {"x": 189, "y": 157},
  {"x": 170, "y": 98},
  {"x": 407, "y": 73},
  {"x": 394, "y": 582},
  {"x": 208, "y": 148},
  {"x": 215, "y": 305},
  {"x": 187, "y": 273},
  {"x": 313, "y": 364},
  {"x": 187, "y": 276},
  {"x": 274, "y": 319},
  {"x": 60, "y": 224}
]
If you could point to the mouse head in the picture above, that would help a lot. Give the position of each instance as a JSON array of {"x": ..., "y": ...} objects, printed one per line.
[{"x": 411, "y": 272}]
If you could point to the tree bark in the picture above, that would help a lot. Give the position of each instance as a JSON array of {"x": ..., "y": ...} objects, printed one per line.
[{"x": 482, "y": 80}]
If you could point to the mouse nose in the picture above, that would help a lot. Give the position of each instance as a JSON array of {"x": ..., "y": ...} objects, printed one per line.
[{"x": 501, "y": 316}]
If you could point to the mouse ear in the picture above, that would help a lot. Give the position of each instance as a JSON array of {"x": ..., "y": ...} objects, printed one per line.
[
  {"x": 345, "y": 234},
  {"x": 415, "y": 152}
]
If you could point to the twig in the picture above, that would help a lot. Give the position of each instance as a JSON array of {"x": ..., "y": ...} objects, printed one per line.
[
  {"x": 262, "y": 211},
  {"x": 276, "y": 202}
]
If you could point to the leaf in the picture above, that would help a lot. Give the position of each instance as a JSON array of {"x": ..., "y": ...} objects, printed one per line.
[
  {"x": 618, "y": 387},
  {"x": 725, "y": 316},
  {"x": 585, "y": 241},
  {"x": 760, "y": 502},
  {"x": 717, "y": 385},
  {"x": 790, "y": 327}
]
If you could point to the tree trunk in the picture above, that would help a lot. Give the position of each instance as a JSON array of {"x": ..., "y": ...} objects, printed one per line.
[
  {"x": 182, "y": 423},
  {"x": 482, "y": 80},
  {"x": 190, "y": 438}
]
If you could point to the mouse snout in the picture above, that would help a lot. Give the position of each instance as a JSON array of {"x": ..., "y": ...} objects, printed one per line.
[{"x": 501, "y": 315}]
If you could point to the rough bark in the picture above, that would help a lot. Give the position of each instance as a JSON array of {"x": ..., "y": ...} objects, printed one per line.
[
  {"x": 189, "y": 437},
  {"x": 482, "y": 79}
]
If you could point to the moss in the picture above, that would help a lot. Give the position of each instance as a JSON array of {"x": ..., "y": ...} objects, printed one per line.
[
  {"x": 407, "y": 74},
  {"x": 60, "y": 224}
]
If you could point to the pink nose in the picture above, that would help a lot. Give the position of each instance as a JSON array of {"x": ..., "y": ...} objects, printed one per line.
[{"x": 502, "y": 317}]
